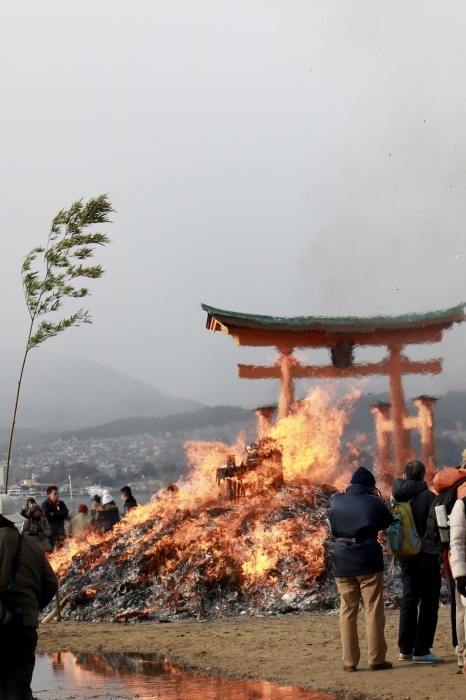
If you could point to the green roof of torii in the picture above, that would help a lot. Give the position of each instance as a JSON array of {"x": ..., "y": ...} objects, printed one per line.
[{"x": 335, "y": 324}]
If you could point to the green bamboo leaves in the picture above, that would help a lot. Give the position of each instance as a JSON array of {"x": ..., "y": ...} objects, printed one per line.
[
  {"x": 69, "y": 249},
  {"x": 59, "y": 272}
]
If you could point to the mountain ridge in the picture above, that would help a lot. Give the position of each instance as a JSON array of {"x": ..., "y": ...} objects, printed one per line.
[{"x": 67, "y": 393}]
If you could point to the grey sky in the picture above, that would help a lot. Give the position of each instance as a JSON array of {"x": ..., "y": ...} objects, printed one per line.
[{"x": 265, "y": 156}]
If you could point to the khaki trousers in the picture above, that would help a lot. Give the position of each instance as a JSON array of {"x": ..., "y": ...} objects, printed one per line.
[{"x": 369, "y": 587}]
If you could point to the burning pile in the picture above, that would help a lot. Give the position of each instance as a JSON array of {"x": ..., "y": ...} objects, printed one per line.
[{"x": 192, "y": 552}]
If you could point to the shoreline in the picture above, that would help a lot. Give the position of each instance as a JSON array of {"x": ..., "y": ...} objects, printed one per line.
[{"x": 302, "y": 650}]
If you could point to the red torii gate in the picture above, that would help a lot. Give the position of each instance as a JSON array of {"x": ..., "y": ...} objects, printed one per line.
[{"x": 341, "y": 336}]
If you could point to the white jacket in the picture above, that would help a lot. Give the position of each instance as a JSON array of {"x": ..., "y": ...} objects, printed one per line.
[{"x": 458, "y": 541}]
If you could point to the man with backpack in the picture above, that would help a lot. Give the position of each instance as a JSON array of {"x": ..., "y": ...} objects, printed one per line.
[
  {"x": 420, "y": 574},
  {"x": 356, "y": 518}
]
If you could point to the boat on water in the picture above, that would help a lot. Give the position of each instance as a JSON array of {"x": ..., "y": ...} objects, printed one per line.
[
  {"x": 16, "y": 491},
  {"x": 96, "y": 490}
]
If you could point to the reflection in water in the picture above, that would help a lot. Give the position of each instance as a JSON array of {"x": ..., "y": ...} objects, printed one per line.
[{"x": 146, "y": 676}]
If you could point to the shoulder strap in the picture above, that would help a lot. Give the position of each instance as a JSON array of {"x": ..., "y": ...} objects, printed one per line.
[{"x": 15, "y": 562}]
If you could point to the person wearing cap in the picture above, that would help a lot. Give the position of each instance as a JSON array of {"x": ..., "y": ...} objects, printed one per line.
[
  {"x": 34, "y": 586},
  {"x": 37, "y": 526},
  {"x": 80, "y": 523},
  {"x": 56, "y": 513},
  {"x": 109, "y": 515},
  {"x": 356, "y": 518},
  {"x": 420, "y": 574}
]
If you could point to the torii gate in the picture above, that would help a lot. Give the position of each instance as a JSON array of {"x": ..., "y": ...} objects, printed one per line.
[{"x": 341, "y": 336}]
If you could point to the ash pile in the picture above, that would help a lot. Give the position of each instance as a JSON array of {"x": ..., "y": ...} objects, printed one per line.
[
  {"x": 253, "y": 558},
  {"x": 261, "y": 558}
]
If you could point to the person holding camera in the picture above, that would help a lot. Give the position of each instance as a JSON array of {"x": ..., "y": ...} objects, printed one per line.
[
  {"x": 38, "y": 526},
  {"x": 356, "y": 518}
]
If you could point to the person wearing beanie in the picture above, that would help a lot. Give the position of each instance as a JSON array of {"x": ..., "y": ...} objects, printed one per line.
[
  {"x": 96, "y": 507},
  {"x": 420, "y": 574},
  {"x": 356, "y": 518},
  {"x": 80, "y": 523}
]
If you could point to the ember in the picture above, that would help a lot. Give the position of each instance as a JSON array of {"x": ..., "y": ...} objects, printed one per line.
[{"x": 192, "y": 552}]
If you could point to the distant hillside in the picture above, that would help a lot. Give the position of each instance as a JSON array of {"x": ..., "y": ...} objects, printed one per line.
[
  {"x": 209, "y": 417},
  {"x": 225, "y": 422},
  {"x": 66, "y": 393}
]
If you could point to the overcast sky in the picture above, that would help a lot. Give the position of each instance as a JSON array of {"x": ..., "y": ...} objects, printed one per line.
[{"x": 269, "y": 156}]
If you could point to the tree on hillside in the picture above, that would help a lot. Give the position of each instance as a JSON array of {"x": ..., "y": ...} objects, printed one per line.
[{"x": 69, "y": 246}]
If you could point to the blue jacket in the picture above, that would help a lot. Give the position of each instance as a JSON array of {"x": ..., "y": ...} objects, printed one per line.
[{"x": 358, "y": 514}]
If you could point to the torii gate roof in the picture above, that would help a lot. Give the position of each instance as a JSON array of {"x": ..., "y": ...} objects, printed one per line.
[{"x": 254, "y": 329}]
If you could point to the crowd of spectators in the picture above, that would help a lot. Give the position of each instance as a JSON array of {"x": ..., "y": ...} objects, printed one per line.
[{"x": 50, "y": 523}]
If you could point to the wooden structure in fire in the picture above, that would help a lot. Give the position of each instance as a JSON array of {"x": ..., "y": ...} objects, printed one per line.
[{"x": 341, "y": 336}]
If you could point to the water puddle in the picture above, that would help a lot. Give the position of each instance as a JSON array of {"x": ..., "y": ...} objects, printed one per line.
[{"x": 69, "y": 676}]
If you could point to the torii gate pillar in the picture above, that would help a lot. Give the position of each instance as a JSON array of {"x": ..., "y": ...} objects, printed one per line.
[{"x": 264, "y": 414}]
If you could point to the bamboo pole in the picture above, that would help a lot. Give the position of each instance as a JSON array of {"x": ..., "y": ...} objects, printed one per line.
[{"x": 56, "y": 611}]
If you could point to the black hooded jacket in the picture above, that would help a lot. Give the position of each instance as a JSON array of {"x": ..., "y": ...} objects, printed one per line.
[
  {"x": 404, "y": 490},
  {"x": 130, "y": 503},
  {"x": 357, "y": 514}
]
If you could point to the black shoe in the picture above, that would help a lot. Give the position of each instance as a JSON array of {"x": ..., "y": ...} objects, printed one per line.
[{"x": 381, "y": 667}]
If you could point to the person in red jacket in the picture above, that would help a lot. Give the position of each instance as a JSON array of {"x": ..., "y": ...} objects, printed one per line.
[{"x": 443, "y": 480}]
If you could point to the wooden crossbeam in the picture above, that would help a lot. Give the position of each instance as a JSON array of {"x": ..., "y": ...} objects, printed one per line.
[
  {"x": 326, "y": 372},
  {"x": 319, "y": 339}
]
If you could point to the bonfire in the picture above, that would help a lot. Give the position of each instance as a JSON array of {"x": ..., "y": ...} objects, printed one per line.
[{"x": 197, "y": 551}]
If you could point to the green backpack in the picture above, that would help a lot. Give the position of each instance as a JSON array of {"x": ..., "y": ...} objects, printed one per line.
[{"x": 403, "y": 538}]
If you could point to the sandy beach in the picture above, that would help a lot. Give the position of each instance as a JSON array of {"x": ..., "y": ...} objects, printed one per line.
[{"x": 299, "y": 650}]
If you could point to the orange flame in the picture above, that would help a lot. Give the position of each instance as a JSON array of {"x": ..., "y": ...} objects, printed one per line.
[{"x": 253, "y": 539}]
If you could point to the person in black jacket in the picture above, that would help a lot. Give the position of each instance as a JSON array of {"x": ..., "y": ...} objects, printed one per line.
[
  {"x": 34, "y": 585},
  {"x": 56, "y": 513},
  {"x": 356, "y": 517},
  {"x": 128, "y": 498},
  {"x": 420, "y": 574}
]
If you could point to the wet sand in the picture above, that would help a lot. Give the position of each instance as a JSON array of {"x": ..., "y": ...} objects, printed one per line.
[{"x": 289, "y": 650}]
